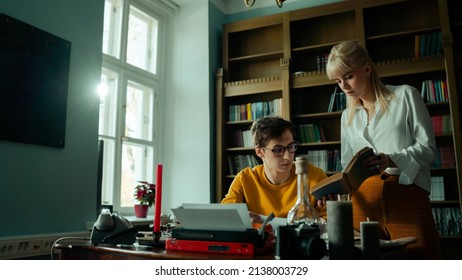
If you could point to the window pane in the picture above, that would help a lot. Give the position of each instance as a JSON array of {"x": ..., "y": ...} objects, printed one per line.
[
  {"x": 138, "y": 114},
  {"x": 142, "y": 40},
  {"x": 112, "y": 27},
  {"x": 108, "y": 171},
  {"x": 136, "y": 166},
  {"x": 107, "y": 104}
]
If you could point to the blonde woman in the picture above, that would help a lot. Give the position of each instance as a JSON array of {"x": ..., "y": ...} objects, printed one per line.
[{"x": 394, "y": 121}]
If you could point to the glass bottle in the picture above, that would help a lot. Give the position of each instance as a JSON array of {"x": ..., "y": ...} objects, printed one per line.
[{"x": 302, "y": 211}]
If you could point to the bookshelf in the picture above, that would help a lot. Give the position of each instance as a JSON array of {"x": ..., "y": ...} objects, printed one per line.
[{"x": 281, "y": 57}]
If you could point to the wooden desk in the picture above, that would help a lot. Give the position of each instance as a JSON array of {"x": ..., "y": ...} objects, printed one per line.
[
  {"x": 86, "y": 251},
  {"x": 83, "y": 250}
]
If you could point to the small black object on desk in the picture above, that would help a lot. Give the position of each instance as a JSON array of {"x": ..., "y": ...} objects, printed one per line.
[
  {"x": 151, "y": 239},
  {"x": 112, "y": 228}
]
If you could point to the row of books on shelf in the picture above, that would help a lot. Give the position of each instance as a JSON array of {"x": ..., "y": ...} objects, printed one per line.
[
  {"x": 242, "y": 138},
  {"x": 337, "y": 101},
  {"x": 448, "y": 222},
  {"x": 428, "y": 44},
  {"x": 435, "y": 91},
  {"x": 432, "y": 91},
  {"x": 327, "y": 160},
  {"x": 444, "y": 157},
  {"x": 311, "y": 133},
  {"x": 321, "y": 61},
  {"x": 255, "y": 110},
  {"x": 308, "y": 133},
  {"x": 437, "y": 188},
  {"x": 238, "y": 162},
  {"x": 442, "y": 124}
]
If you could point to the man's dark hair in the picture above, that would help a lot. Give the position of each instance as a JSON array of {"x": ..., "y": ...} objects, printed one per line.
[{"x": 271, "y": 127}]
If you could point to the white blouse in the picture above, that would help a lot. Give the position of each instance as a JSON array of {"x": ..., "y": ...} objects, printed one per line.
[{"x": 404, "y": 132}]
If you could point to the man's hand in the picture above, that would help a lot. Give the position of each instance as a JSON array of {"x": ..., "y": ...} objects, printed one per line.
[
  {"x": 255, "y": 218},
  {"x": 325, "y": 198}
]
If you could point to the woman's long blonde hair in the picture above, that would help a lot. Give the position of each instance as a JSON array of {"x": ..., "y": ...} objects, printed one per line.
[{"x": 349, "y": 56}]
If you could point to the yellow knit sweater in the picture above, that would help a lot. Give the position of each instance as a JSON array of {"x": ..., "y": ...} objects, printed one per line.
[{"x": 251, "y": 186}]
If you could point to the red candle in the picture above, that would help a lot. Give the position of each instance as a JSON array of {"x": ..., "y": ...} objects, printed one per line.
[{"x": 158, "y": 202}]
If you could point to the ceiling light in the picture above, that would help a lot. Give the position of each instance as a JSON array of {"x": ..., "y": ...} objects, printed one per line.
[{"x": 249, "y": 3}]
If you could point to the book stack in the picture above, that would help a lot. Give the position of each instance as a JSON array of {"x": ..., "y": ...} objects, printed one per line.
[
  {"x": 337, "y": 102},
  {"x": 442, "y": 125},
  {"x": 242, "y": 138},
  {"x": 444, "y": 157},
  {"x": 327, "y": 160},
  {"x": 311, "y": 133},
  {"x": 437, "y": 189},
  {"x": 434, "y": 91},
  {"x": 321, "y": 62},
  {"x": 238, "y": 162},
  {"x": 448, "y": 222},
  {"x": 255, "y": 110},
  {"x": 318, "y": 158},
  {"x": 428, "y": 44}
]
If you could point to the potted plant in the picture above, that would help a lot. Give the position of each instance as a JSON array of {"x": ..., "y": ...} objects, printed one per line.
[{"x": 144, "y": 195}]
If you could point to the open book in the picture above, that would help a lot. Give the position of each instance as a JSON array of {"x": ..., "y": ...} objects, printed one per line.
[{"x": 349, "y": 179}]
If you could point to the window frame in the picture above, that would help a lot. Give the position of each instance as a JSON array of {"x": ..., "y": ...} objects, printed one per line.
[{"x": 126, "y": 73}]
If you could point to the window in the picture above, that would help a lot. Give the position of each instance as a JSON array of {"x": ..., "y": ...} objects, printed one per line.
[
  {"x": 142, "y": 35},
  {"x": 112, "y": 27},
  {"x": 129, "y": 94}
]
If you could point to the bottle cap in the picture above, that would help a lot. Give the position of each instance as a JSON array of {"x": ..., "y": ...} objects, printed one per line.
[{"x": 301, "y": 165}]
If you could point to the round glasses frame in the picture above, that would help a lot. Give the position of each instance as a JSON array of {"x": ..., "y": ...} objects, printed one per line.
[{"x": 279, "y": 150}]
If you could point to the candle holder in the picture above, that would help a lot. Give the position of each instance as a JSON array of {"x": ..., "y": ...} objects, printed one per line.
[
  {"x": 370, "y": 240},
  {"x": 340, "y": 230},
  {"x": 157, "y": 214}
]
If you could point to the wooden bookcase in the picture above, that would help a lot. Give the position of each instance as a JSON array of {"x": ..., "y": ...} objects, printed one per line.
[{"x": 282, "y": 56}]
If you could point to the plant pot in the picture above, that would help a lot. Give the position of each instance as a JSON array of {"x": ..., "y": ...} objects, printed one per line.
[{"x": 141, "y": 210}]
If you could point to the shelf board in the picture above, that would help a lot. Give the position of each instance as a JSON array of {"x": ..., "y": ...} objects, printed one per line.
[
  {"x": 403, "y": 33},
  {"x": 375, "y": 3},
  {"x": 315, "y": 47},
  {"x": 240, "y": 149},
  {"x": 442, "y": 168},
  {"x": 320, "y": 144},
  {"x": 258, "y": 57},
  {"x": 441, "y": 136},
  {"x": 410, "y": 66},
  {"x": 253, "y": 86},
  {"x": 450, "y": 237},
  {"x": 444, "y": 203},
  {"x": 244, "y": 122},
  {"x": 324, "y": 115},
  {"x": 439, "y": 105},
  {"x": 310, "y": 79}
]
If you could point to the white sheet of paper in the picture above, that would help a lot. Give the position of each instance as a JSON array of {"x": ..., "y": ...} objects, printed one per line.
[
  {"x": 276, "y": 222},
  {"x": 213, "y": 216}
]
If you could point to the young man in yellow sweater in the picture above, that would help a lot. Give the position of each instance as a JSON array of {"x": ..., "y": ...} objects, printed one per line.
[{"x": 272, "y": 186}]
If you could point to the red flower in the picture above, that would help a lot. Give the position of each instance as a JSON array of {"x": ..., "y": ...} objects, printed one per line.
[{"x": 145, "y": 193}]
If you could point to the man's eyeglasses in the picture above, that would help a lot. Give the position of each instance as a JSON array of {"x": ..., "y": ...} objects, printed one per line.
[{"x": 279, "y": 150}]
